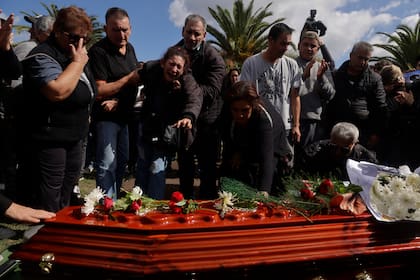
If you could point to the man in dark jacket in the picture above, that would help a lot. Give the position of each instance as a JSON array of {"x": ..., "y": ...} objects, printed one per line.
[
  {"x": 360, "y": 96},
  {"x": 208, "y": 69},
  {"x": 328, "y": 157}
]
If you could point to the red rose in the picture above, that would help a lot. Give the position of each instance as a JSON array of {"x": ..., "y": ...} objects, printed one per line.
[
  {"x": 135, "y": 205},
  {"x": 175, "y": 208},
  {"x": 326, "y": 186},
  {"x": 108, "y": 203},
  {"x": 306, "y": 193},
  {"x": 177, "y": 197}
]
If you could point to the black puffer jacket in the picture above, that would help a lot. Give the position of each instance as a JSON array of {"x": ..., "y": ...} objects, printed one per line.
[
  {"x": 359, "y": 100},
  {"x": 208, "y": 69},
  {"x": 164, "y": 106}
]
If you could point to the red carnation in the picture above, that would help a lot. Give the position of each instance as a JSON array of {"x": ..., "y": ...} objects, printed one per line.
[
  {"x": 135, "y": 205},
  {"x": 306, "y": 193},
  {"x": 326, "y": 186},
  {"x": 177, "y": 197},
  {"x": 175, "y": 208},
  {"x": 108, "y": 203}
]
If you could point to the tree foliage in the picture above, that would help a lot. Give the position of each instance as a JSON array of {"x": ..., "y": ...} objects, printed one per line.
[
  {"x": 403, "y": 46},
  {"x": 243, "y": 31}
]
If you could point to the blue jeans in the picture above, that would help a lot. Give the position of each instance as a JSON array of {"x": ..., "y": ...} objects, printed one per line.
[
  {"x": 151, "y": 164},
  {"x": 111, "y": 156}
]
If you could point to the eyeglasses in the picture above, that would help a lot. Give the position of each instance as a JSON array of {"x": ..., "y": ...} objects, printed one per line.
[{"x": 74, "y": 38}]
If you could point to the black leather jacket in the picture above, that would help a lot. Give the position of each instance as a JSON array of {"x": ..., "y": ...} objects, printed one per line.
[{"x": 208, "y": 69}]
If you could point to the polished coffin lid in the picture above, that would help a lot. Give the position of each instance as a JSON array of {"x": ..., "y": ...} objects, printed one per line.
[{"x": 202, "y": 241}]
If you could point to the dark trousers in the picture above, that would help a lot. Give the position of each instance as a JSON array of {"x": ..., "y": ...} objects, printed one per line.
[
  {"x": 8, "y": 159},
  {"x": 205, "y": 149},
  {"x": 55, "y": 168}
]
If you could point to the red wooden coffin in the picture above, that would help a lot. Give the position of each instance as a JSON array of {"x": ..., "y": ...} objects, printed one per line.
[{"x": 202, "y": 244}]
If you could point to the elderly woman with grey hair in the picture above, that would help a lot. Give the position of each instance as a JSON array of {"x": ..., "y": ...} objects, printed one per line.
[{"x": 328, "y": 157}]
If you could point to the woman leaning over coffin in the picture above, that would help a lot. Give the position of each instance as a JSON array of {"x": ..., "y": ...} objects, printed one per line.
[
  {"x": 254, "y": 138},
  {"x": 172, "y": 104}
]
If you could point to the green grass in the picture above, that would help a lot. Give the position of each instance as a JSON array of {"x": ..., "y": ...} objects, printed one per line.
[{"x": 87, "y": 184}]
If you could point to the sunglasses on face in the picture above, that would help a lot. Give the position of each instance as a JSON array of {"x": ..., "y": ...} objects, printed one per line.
[{"x": 74, "y": 38}]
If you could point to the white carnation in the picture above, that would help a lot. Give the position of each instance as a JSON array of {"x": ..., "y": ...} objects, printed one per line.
[
  {"x": 396, "y": 197},
  {"x": 414, "y": 181}
]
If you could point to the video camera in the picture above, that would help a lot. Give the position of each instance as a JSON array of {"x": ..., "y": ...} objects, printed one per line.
[{"x": 314, "y": 25}]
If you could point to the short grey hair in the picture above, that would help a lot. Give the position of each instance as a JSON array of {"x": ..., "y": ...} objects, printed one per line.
[
  {"x": 363, "y": 46},
  {"x": 44, "y": 24},
  {"x": 195, "y": 17},
  {"x": 345, "y": 131}
]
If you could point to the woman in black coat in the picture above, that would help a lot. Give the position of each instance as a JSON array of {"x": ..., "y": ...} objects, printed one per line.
[
  {"x": 254, "y": 138},
  {"x": 172, "y": 104}
]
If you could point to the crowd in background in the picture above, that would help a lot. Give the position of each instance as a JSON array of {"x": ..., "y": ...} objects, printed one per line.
[{"x": 273, "y": 117}]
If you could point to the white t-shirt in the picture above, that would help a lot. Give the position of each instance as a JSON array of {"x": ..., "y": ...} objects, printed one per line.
[{"x": 274, "y": 81}]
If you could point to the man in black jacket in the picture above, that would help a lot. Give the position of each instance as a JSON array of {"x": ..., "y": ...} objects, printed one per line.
[
  {"x": 208, "y": 69},
  {"x": 328, "y": 157},
  {"x": 360, "y": 97}
]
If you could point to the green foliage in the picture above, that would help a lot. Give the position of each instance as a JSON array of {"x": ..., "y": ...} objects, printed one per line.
[
  {"x": 242, "y": 32},
  {"x": 403, "y": 46}
]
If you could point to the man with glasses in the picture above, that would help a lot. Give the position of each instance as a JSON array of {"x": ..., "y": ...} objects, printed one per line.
[
  {"x": 328, "y": 157},
  {"x": 114, "y": 65},
  {"x": 359, "y": 97}
]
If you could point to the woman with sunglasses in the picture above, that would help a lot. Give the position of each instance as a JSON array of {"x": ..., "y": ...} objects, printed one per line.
[
  {"x": 59, "y": 91},
  {"x": 328, "y": 157}
]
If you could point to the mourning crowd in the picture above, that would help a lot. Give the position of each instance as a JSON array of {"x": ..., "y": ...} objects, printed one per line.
[{"x": 64, "y": 107}]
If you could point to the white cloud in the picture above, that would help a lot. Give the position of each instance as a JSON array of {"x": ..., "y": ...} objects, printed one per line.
[
  {"x": 347, "y": 21},
  {"x": 411, "y": 21},
  {"x": 390, "y": 6}
]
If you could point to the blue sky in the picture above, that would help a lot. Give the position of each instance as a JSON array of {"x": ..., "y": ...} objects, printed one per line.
[{"x": 157, "y": 24}]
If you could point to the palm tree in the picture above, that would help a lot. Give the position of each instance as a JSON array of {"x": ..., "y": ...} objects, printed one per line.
[
  {"x": 52, "y": 11},
  {"x": 243, "y": 33},
  {"x": 403, "y": 45}
]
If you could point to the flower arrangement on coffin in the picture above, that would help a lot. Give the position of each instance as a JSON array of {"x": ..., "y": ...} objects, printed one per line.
[
  {"x": 303, "y": 198},
  {"x": 135, "y": 202},
  {"x": 323, "y": 196},
  {"x": 396, "y": 197}
]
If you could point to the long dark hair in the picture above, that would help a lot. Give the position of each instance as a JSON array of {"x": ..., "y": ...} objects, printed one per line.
[
  {"x": 177, "y": 51},
  {"x": 244, "y": 90}
]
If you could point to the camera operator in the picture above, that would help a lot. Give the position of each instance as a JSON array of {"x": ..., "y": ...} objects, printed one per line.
[
  {"x": 319, "y": 27},
  {"x": 400, "y": 143}
]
